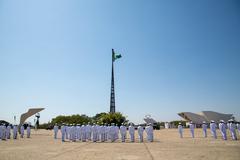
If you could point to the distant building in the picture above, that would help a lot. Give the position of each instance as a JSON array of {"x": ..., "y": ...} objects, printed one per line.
[{"x": 207, "y": 116}]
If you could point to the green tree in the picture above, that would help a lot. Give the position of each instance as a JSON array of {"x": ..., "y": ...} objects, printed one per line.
[
  {"x": 73, "y": 119},
  {"x": 109, "y": 118}
]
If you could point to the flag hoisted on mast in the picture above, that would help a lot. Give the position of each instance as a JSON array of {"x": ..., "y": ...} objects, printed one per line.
[{"x": 112, "y": 98}]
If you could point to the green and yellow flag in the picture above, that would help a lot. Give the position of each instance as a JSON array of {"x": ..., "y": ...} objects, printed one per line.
[{"x": 116, "y": 56}]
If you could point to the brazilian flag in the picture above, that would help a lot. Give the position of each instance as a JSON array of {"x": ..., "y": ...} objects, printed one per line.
[{"x": 115, "y": 56}]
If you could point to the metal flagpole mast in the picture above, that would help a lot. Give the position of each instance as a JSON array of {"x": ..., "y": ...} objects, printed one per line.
[{"x": 112, "y": 99}]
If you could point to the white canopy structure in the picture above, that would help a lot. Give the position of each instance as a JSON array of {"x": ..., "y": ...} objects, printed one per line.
[
  {"x": 28, "y": 114},
  {"x": 207, "y": 116}
]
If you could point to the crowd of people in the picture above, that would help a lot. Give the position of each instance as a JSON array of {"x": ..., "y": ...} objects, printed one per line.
[
  {"x": 106, "y": 132},
  {"x": 101, "y": 133},
  {"x": 8, "y": 131},
  {"x": 231, "y": 125}
]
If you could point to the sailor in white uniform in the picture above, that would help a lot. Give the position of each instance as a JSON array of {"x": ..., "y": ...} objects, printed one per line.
[
  {"x": 149, "y": 131},
  {"x": 213, "y": 128},
  {"x": 140, "y": 133},
  {"x": 123, "y": 132},
  {"x": 180, "y": 130},
  {"x": 232, "y": 128},
  {"x": 132, "y": 132},
  {"x": 204, "y": 129},
  {"x": 55, "y": 129},
  {"x": 223, "y": 129},
  {"x": 22, "y": 131},
  {"x": 28, "y": 131},
  {"x": 192, "y": 127}
]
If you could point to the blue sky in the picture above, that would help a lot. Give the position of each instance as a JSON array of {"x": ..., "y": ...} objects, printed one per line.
[{"x": 177, "y": 56}]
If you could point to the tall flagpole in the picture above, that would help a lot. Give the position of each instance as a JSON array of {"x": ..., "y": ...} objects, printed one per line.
[{"x": 112, "y": 99}]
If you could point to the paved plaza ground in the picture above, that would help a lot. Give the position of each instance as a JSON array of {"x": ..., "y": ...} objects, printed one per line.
[{"x": 167, "y": 146}]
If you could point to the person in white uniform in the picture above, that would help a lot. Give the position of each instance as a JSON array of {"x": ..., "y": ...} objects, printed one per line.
[
  {"x": 8, "y": 132},
  {"x": 213, "y": 128},
  {"x": 140, "y": 133},
  {"x": 238, "y": 127},
  {"x": 222, "y": 128},
  {"x": 84, "y": 132},
  {"x": 192, "y": 127},
  {"x": 106, "y": 126},
  {"x": 67, "y": 128},
  {"x": 55, "y": 129},
  {"x": 63, "y": 132},
  {"x": 3, "y": 132},
  {"x": 149, "y": 131},
  {"x": 123, "y": 132},
  {"x": 15, "y": 130},
  {"x": 232, "y": 128},
  {"x": 28, "y": 131},
  {"x": 204, "y": 129},
  {"x": 132, "y": 132},
  {"x": 78, "y": 130},
  {"x": 116, "y": 132},
  {"x": 102, "y": 132},
  {"x": 0, "y": 131},
  {"x": 98, "y": 131},
  {"x": 180, "y": 130},
  {"x": 94, "y": 132},
  {"x": 22, "y": 131}
]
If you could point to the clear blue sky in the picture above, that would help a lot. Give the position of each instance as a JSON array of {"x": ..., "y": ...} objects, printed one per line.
[{"x": 177, "y": 56}]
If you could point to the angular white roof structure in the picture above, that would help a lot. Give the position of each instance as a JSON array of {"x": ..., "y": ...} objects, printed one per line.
[
  {"x": 207, "y": 116},
  {"x": 28, "y": 114}
]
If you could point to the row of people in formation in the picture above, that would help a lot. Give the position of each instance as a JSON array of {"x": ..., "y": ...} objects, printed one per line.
[
  {"x": 231, "y": 125},
  {"x": 101, "y": 133},
  {"x": 6, "y": 131}
]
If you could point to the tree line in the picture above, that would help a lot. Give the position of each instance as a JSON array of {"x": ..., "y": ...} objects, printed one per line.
[{"x": 101, "y": 118}]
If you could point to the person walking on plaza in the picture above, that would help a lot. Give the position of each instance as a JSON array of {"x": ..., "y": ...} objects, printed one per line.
[
  {"x": 213, "y": 128},
  {"x": 22, "y": 131},
  {"x": 3, "y": 132},
  {"x": 238, "y": 127},
  {"x": 89, "y": 131},
  {"x": 94, "y": 132},
  {"x": 106, "y": 126},
  {"x": 15, "y": 130},
  {"x": 63, "y": 132},
  {"x": 83, "y": 132},
  {"x": 28, "y": 131},
  {"x": 192, "y": 127},
  {"x": 140, "y": 133},
  {"x": 149, "y": 131},
  {"x": 98, "y": 131},
  {"x": 102, "y": 132},
  {"x": 223, "y": 129},
  {"x": 123, "y": 132},
  {"x": 180, "y": 130},
  {"x": 132, "y": 132},
  {"x": 8, "y": 132},
  {"x": 232, "y": 128},
  {"x": 78, "y": 130},
  {"x": 55, "y": 128},
  {"x": 116, "y": 132},
  {"x": 0, "y": 131},
  {"x": 204, "y": 128},
  {"x": 112, "y": 131}
]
